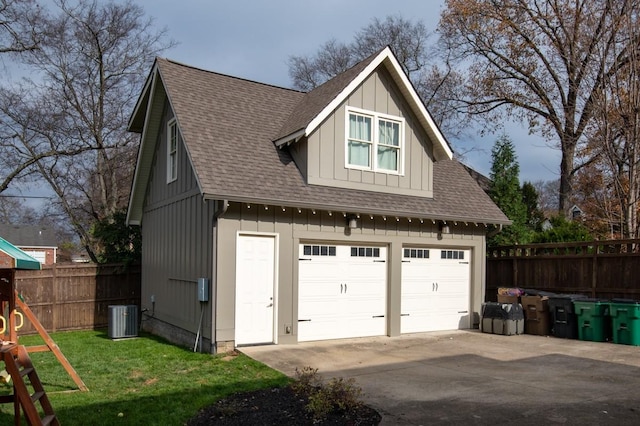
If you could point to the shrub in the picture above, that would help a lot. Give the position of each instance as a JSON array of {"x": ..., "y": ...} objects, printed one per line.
[{"x": 338, "y": 394}]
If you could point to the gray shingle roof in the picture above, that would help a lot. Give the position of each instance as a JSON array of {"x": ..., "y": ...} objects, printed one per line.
[
  {"x": 228, "y": 125},
  {"x": 28, "y": 235},
  {"x": 315, "y": 101}
]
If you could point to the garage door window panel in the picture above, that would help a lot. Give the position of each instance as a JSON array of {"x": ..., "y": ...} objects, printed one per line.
[
  {"x": 365, "y": 252},
  {"x": 318, "y": 250},
  {"x": 416, "y": 253}
]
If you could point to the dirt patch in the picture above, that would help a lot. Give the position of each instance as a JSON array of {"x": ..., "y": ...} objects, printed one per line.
[
  {"x": 230, "y": 356},
  {"x": 276, "y": 406}
]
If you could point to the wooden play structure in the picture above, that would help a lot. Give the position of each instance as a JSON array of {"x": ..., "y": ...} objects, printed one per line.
[{"x": 17, "y": 364}]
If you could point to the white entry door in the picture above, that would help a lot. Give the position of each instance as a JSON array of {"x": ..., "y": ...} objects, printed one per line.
[
  {"x": 341, "y": 291},
  {"x": 255, "y": 279},
  {"x": 435, "y": 290}
]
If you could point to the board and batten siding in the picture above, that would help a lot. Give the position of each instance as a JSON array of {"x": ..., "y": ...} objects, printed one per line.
[
  {"x": 325, "y": 147},
  {"x": 294, "y": 227},
  {"x": 177, "y": 231}
]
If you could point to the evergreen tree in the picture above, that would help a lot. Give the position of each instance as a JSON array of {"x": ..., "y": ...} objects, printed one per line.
[
  {"x": 563, "y": 230},
  {"x": 535, "y": 216},
  {"x": 118, "y": 242},
  {"x": 505, "y": 192}
]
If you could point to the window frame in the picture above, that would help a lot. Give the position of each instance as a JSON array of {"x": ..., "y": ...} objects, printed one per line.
[
  {"x": 376, "y": 117},
  {"x": 172, "y": 151}
]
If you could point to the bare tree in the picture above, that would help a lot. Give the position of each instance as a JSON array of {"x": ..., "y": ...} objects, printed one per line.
[
  {"x": 333, "y": 57},
  {"x": 540, "y": 61},
  {"x": 68, "y": 125},
  {"x": 547, "y": 195},
  {"x": 441, "y": 86},
  {"x": 14, "y": 211},
  {"x": 19, "y": 26},
  {"x": 407, "y": 39},
  {"x": 615, "y": 141}
]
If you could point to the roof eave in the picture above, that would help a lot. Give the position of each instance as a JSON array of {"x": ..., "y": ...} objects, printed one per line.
[
  {"x": 290, "y": 138},
  {"x": 140, "y": 109},
  {"x": 141, "y": 174},
  {"x": 355, "y": 209}
]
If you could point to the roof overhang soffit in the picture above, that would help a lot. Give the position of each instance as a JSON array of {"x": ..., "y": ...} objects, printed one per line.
[
  {"x": 386, "y": 58},
  {"x": 137, "y": 119},
  {"x": 369, "y": 213},
  {"x": 291, "y": 138}
]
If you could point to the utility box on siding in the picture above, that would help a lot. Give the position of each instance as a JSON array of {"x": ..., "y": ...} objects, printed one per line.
[
  {"x": 123, "y": 321},
  {"x": 203, "y": 289}
]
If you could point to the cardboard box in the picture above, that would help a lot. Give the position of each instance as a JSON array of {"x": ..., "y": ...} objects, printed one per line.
[
  {"x": 534, "y": 304},
  {"x": 540, "y": 326},
  {"x": 507, "y": 299}
]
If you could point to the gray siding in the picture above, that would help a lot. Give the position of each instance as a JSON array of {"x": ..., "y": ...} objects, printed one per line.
[
  {"x": 293, "y": 227},
  {"x": 177, "y": 234},
  {"x": 325, "y": 148}
]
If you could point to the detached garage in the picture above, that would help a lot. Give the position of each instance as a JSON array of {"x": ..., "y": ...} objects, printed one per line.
[{"x": 336, "y": 213}]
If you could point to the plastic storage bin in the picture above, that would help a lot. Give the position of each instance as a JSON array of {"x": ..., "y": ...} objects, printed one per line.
[
  {"x": 594, "y": 323},
  {"x": 564, "y": 322},
  {"x": 625, "y": 321},
  {"x": 502, "y": 318}
]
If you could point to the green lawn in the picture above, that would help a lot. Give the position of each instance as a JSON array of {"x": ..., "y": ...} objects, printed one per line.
[{"x": 138, "y": 381}]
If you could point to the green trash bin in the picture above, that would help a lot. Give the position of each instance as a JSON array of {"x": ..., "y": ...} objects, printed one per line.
[
  {"x": 593, "y": 319},
  {"x": 625, "y": 321}
]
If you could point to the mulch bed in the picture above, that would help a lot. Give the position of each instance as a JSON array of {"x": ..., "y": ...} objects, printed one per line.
[{"x": 276, "y": 406}]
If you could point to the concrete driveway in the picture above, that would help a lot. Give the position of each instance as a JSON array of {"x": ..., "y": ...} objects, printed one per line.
[{"x": 468, "y": 377}]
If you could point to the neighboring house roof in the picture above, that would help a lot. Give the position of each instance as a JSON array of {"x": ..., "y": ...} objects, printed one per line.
[
  {"x": 18, "y": 258},
  {"x": 483, "y": 181},
  {"x": 28, "y": 235},
  {"x": 229, "y": 126}
]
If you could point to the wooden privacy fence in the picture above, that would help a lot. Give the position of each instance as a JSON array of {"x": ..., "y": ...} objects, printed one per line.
[
  {"x": 76, "y": 296},
  {"x": 598, "y": 269}
]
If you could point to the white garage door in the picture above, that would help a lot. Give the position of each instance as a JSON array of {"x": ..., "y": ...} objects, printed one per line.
[
  {"x": 435, "y": 289},
  {"x": 341, "y": 291}
]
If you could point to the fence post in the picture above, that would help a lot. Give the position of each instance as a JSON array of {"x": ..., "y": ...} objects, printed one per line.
[
  {"x": 594, "y": 271},
  {"x": 54, "y": 298},
  {"x": 514, "y": 259}
]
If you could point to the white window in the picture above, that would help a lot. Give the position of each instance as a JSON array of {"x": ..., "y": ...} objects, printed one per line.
[
  {"x": 374, "y": 141},
  {"x": 172, "y": 151}
]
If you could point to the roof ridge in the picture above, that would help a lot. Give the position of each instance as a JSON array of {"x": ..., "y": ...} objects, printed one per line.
[{"x": 174, "y": 62}]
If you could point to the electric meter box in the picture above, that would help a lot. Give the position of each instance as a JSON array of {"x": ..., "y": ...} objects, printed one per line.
[{"x": 203, "y": 289}]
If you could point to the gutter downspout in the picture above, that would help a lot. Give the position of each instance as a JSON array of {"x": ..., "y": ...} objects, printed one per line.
[
  {"x": 221, "y": 208},
  {"x": 495, "y": 231}
]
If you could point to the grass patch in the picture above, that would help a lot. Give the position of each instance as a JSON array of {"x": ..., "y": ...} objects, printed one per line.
[{"x": 143, "y": 380}]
